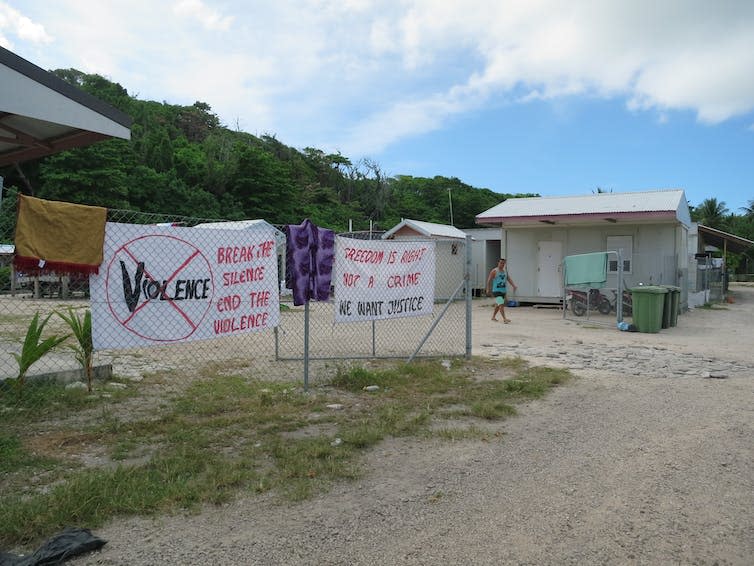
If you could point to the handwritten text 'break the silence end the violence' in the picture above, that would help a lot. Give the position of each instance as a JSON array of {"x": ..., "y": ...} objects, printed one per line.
[{"x": 237, "y": 311}]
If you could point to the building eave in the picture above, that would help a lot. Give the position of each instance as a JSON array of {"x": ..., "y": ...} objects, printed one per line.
[{"x": 586, "y": 218}]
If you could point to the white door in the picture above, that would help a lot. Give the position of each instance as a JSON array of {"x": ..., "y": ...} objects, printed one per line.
[{"x": 549, "y": 274}]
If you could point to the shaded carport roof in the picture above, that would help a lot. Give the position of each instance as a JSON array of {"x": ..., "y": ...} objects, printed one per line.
[
  {"x": 723, "y": 241},
  {"x": 41, "y": 114}
]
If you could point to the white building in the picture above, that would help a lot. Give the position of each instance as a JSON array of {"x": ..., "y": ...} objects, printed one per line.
[{"x": 650, "y": 228}]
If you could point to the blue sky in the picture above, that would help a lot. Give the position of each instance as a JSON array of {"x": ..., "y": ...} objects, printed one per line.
[{"x": 539, "y": 96}]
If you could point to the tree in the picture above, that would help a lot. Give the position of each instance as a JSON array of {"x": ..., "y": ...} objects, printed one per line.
[
  {"x": 159, "y": 151},
  {"x": 741, "y": 226},
  {"x": 375, "y": 189},
  {"x": 331, "y": 170},
  {"x": 262, "y": 185},
  {"x": 197, "y": 121},
  {"x": 95, "y": 175},
  {"x": 98, "y": 86},
  {"x": 711, "y": 213},
  {"x": 749, "y": 210}
]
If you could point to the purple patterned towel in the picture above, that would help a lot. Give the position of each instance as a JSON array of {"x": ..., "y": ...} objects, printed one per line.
[{"x": 310, "y": 254}]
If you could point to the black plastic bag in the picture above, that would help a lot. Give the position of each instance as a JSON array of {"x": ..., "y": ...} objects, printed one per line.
[{"x": 57, "y": 549}]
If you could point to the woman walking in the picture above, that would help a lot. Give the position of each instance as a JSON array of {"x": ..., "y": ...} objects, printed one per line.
[{"x": 497, "y": 286}]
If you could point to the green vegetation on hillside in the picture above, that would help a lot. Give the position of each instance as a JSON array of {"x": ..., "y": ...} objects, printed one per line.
[{"x": 182, "y": 161}]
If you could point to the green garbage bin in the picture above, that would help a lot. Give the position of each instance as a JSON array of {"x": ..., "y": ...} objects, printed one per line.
[
  {"x": 648, "y": 302},
  {"x": 666, "y": 306},
  {"x": 672, "y": 302}
]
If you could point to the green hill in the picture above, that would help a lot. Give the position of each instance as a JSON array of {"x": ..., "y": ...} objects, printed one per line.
[{"x": 182, "y": 161}]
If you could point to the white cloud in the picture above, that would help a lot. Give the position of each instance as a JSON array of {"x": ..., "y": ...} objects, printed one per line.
[
  {"x": 400, "y": 120},
  {"x": 14, "y": 22},
  {"x": 361, "y": 74},
  {"x": 664, "y": 56},
  {"x": 713, "y": 79},
  {"x": 210, "y": 18}
]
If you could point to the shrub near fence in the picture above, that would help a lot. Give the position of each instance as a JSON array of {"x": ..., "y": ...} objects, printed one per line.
[{"x": 276, "y": 354}]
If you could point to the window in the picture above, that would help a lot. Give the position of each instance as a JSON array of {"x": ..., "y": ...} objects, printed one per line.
[{"x": 623, "y": 244}]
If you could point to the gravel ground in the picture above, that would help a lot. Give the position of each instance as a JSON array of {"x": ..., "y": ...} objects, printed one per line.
[{"x": 646, "y": 458}]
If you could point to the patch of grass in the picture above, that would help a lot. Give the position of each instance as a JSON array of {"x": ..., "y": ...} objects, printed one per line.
[
  {"x": 402, "y": 420},
  {"x": 361, "y": 435},
  {"x": 229, "y": 433},
  {"x": 14, "y": 457},
  {"x": 357, "y": 378},
  {"x": 713, "y": 307},
  {"x": 492, "y": 409},
  {"x": 183, "y": 478},
  {"x": 43, "y": 400},
  {"x": 306, "y": 466}
]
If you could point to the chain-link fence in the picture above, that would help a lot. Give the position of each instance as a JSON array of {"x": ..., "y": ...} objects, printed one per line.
[
  {"x": 612, "y": 300},
  {"x": 168, "y": 320},
  {"x": 708, "y": 283},
  {"x": 361, "y": 323}
]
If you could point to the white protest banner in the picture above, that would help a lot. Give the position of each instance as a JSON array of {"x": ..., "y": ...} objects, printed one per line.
[
  {"x": 383, "y": 279},
  {"x": 159, "y": 285}
]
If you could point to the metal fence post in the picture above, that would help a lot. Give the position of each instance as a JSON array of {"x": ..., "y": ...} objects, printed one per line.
[
  {"x": 374, "y": 338},
  {"x": 619, "y": 285},
  {"x": 306, "y": 346},
  {"x": 277, "y": 345},
  {"x": 467, "y": 277}
]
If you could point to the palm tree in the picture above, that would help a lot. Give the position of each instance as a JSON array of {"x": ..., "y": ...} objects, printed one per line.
[
  {"x": 711, "y": 213},
  {"x": 749, "y": 210},
  {"x": 82, "y": 331},
  {"x": 33, "y": 348}
]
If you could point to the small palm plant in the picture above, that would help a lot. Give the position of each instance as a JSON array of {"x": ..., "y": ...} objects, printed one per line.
[
  {"x": 32, "y": 349},
  {"x": 82, "y": 331}
]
